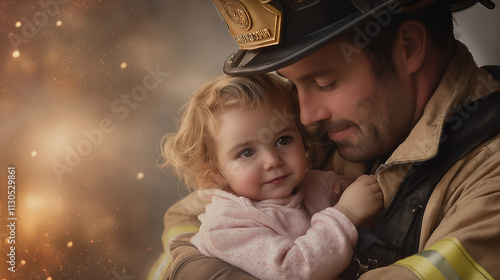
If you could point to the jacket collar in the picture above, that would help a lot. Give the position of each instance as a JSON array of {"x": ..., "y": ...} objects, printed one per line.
[{"x": 462, "y": 83}]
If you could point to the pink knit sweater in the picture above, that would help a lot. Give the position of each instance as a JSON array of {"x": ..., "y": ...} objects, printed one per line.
[{"x": 297, "y": 237}]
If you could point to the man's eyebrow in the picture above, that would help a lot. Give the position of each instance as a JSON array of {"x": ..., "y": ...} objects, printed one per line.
[{"x": 318, "y": 73}]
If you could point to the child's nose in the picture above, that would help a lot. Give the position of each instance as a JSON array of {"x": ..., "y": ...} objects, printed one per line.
[{"x": 272, "y": 160}]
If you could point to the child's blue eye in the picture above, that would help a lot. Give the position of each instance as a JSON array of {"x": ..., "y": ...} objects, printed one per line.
[
  {"x": 283, "y": 140},
  {"x": 247, "y": 153}
]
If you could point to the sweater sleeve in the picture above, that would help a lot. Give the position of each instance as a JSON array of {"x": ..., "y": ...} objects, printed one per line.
[
  {"x": 242, "y": 235},
  {"x": 318, "y": 188}
]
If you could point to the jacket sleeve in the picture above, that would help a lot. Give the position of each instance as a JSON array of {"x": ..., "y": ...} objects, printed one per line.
[
  {"x": 189, "y": 263},
  {"x": 465, "y": 243},
  {"x": 180, "y": 259},
  {"x": 252, "y": 240}
]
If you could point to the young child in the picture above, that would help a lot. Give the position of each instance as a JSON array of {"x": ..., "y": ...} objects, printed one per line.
[{"x": 240, "y": 144}]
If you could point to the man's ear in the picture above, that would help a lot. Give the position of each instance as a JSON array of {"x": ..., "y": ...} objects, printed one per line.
[{"x": 410, "y": 46}]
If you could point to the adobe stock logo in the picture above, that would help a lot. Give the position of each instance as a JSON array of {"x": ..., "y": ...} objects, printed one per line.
[
  {"x": 121, "y": 107},
  {"x": 371, "y": 29}
]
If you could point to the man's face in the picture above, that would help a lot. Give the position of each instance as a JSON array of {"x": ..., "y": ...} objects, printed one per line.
[{"x": 365, "y": 117}]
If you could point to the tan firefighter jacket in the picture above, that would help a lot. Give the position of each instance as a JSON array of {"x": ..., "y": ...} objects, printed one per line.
[{"x": 460, "y": 234}]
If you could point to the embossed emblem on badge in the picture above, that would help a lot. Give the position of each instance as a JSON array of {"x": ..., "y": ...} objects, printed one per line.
[
  {"x": 238, "y": 14},
  {"x": 253, "y": 24}
]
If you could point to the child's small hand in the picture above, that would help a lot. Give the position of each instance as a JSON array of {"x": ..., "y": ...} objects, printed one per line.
[
  {"x": 361, "y": 200},
  {"x": 339, "y": 186}
]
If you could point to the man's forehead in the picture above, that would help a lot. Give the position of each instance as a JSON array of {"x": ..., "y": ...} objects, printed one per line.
[
  {"x": 326, "y": 60},
  {"x": 297, "y": 72}
]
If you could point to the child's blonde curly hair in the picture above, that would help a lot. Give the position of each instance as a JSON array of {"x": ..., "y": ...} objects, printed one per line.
[{"x": 190, "y": 150}]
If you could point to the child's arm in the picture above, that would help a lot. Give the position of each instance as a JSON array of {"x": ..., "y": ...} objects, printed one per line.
[{"x": 256, "y": 242}]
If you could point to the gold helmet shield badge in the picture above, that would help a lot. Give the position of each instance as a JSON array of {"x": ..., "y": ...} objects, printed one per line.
[{"x": 253, "y": 23}]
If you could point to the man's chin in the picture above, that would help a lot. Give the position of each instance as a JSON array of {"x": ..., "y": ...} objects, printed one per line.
[{"x": 354, "y": 154}]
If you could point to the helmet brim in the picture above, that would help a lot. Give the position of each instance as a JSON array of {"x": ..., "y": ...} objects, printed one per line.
[{"x": 247, "y": 62}]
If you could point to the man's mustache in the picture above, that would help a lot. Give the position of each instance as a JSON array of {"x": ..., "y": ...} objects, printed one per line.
[{"x": 338, "y": 125}]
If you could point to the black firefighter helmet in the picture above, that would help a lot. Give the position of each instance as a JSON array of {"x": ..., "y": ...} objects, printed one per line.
[{"x": 272, "y": 34}]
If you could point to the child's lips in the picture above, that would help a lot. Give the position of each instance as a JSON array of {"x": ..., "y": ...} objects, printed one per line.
[{"x": 277, "y": 180}]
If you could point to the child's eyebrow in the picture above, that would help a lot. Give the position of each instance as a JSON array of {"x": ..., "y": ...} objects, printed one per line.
[
  {"x": 237, "y": 147},
  {"x": 290, "y": 126}
]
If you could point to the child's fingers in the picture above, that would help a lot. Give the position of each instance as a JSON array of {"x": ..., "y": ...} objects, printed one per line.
[
  {"x": 379, "y": 195},
  {"x": 367, "y": 179},
  {"x": 374, "y": 187}
]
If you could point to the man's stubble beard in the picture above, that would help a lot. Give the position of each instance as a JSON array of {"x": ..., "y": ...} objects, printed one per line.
[{"x": 381, "y": 125}]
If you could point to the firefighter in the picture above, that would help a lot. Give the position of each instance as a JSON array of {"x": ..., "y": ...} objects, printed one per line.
[{"x": 399, "y": 97}]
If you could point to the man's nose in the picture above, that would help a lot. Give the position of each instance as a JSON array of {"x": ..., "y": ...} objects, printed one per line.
[{"x": 312, "y": 108}]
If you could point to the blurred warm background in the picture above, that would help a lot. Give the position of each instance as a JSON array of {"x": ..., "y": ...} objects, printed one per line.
[{"x": 87, "y": 90}]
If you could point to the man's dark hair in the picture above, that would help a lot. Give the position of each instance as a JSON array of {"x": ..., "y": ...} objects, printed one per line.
[{"x": 437, "y": 19}]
